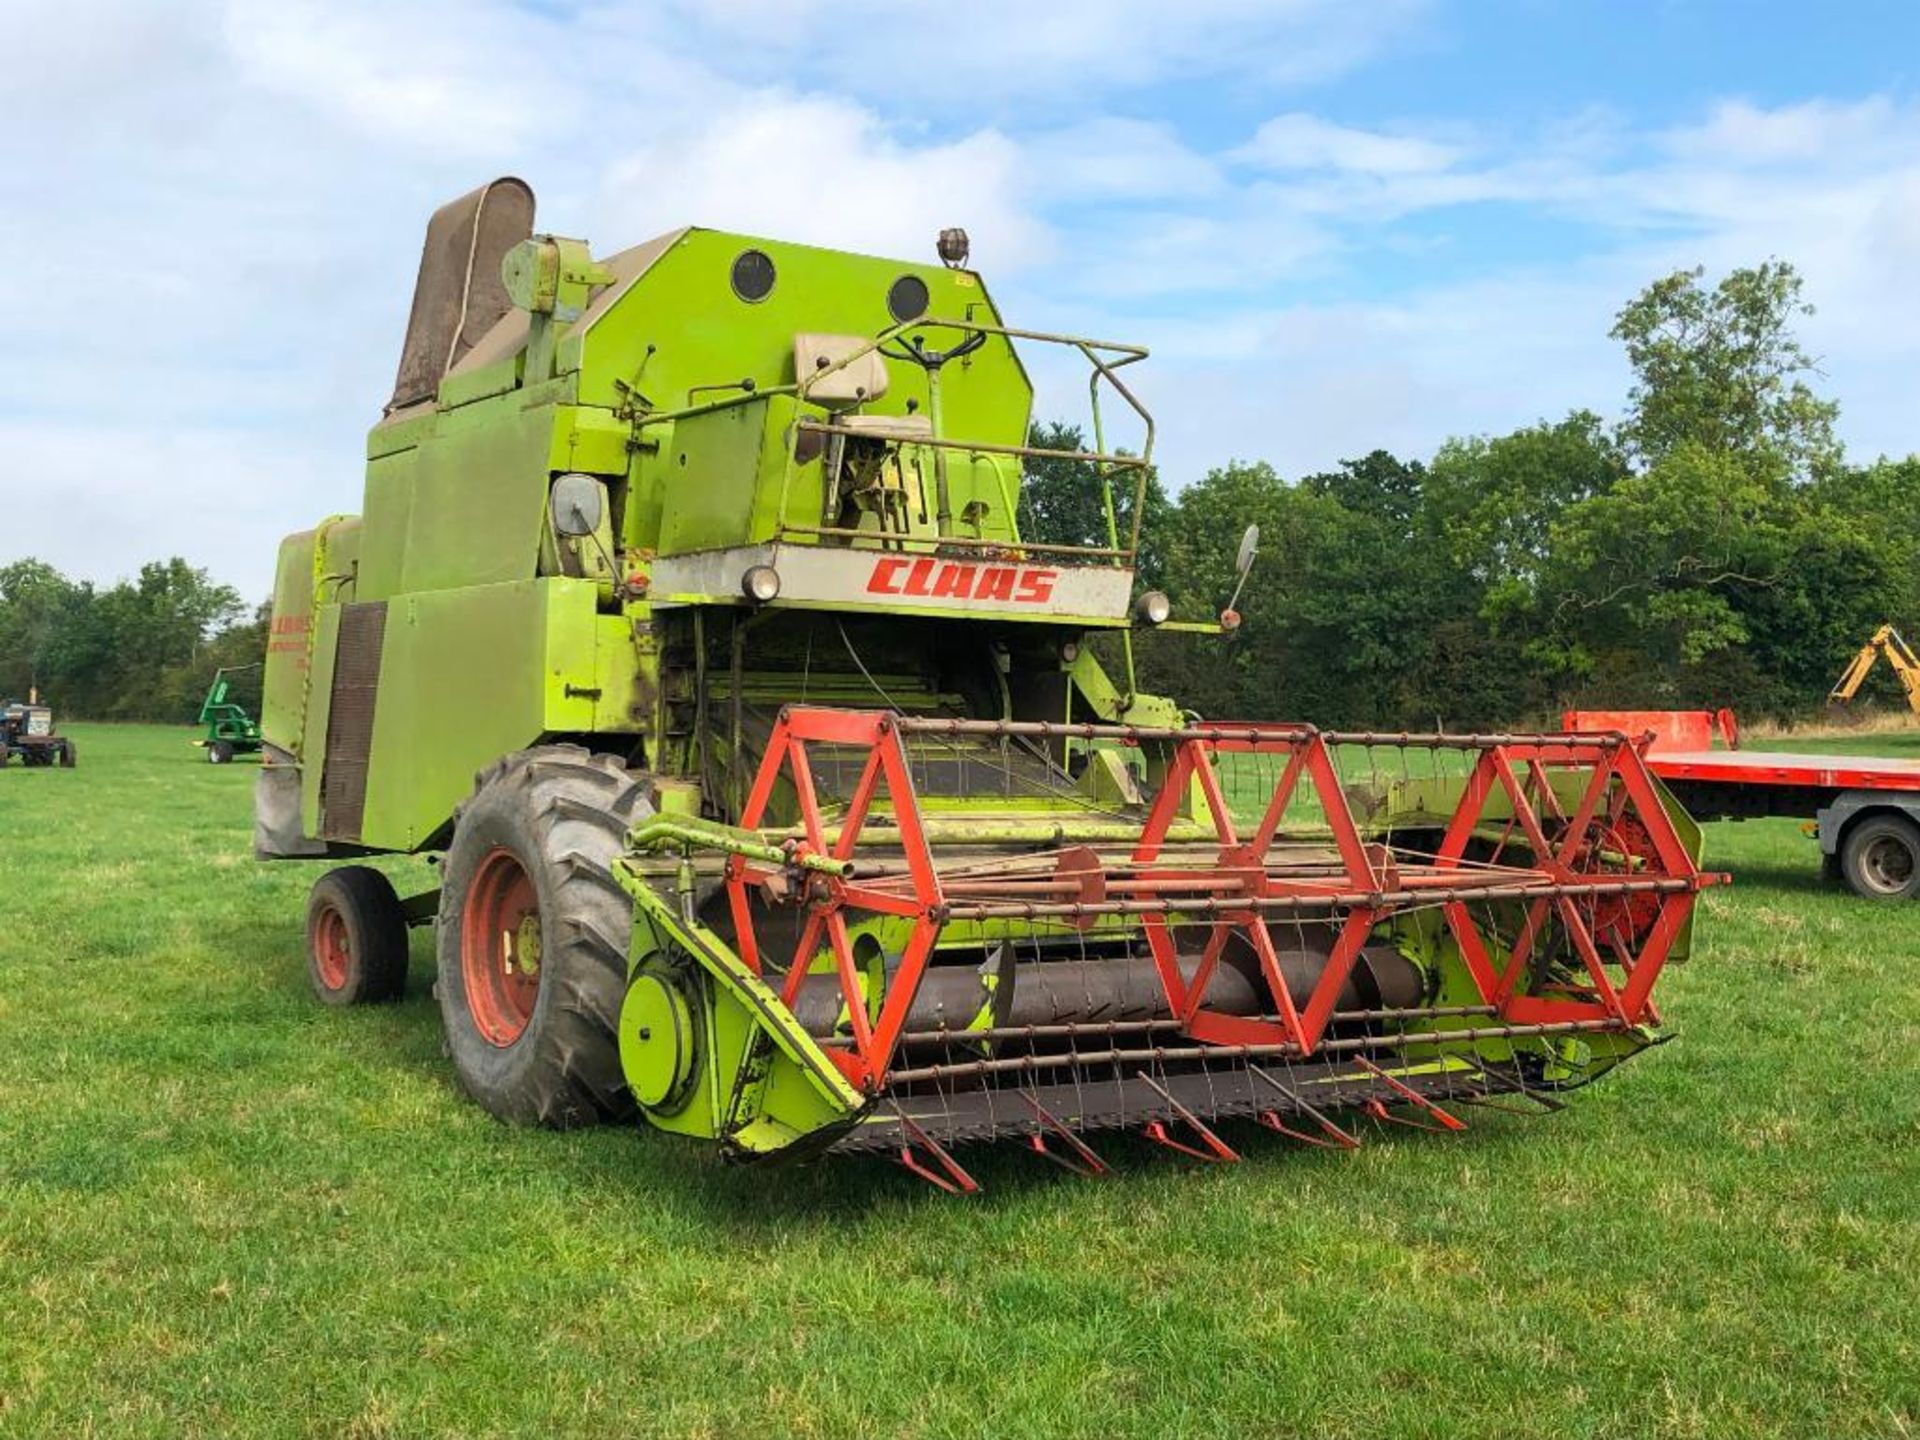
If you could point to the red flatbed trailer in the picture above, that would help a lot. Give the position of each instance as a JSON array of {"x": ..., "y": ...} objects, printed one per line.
[{"x": 1865, "y": 808}]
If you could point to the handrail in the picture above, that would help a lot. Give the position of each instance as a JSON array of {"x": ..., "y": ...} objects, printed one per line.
[{"x": 1103, "y": 462}]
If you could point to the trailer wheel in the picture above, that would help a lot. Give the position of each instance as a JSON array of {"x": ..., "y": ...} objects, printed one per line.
[
  {"x": 1880, "y": 858},
  {"x": 356, "y": 938},
  {"x": 219, "y": 752},
  {"x": 533, "y": 937}
]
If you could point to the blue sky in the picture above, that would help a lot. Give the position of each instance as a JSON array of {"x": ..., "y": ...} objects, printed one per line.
[{"x": 1339, "y": 225}]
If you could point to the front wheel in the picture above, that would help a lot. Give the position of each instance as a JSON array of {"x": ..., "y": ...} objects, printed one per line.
[
  {"x": 1880, "y": 858},
  {"x": 220, "y": 752},
  {"x": 533, "y": 936},
  {"x": 356, "y": 938}
]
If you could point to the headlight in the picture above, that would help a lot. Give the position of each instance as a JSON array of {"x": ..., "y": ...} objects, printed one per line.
[
  {"x": 1152, "y": 608},
  {"x": 760, "y": 584}
]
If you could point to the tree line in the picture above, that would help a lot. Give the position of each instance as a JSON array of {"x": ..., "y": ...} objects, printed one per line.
[
  {"x": 142, "y": 649},
  {"x": 1713, "y": 547}
]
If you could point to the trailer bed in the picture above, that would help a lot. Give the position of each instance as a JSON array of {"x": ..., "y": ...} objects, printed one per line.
[
  {"x": 1865, "y": 809},
  {"x": 1780, "y": 768}
]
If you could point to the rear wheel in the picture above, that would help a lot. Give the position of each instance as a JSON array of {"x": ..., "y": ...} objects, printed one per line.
[
  {"x": 66, "y": 755},
  {"x": 1880, "y": 858},
  {"x": 533, "y": 936},
  {"x": 356, "y": 938}
]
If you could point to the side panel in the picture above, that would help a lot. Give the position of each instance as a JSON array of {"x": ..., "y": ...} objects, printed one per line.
[
  {"x": 480, "y": 493},
  {"x": 462, "y": 508},
  {"x": 713, "y": 480},
  {"x": 467, "y": 676}
]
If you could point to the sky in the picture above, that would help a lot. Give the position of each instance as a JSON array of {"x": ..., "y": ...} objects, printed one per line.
[{"x": 1338, "y": 226}]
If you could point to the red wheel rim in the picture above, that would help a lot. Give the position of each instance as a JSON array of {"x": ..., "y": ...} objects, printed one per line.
[
  {"x": 500, "y": 948},
  {"x": 332, "y": 955}
]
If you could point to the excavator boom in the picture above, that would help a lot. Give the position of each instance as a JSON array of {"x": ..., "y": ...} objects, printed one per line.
[{"x": 1901, "y": 659}]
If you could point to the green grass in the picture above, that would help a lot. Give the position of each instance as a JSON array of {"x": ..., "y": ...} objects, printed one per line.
[{"x": 225, "y": 1210}]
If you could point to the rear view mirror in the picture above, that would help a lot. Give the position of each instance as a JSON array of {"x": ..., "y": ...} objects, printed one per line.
[
  {"x": 1242, "y": 563},
  {"x": 1249, "y": 547},
  {"x": 577, "y": 504}
]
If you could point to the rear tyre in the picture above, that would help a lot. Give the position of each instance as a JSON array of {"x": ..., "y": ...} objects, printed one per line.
[
  {"x": 1880, "y": 858},
  {"x": 356, "y": 938},
  {"x": 533, "y": 936},
  {"x": 220, "y": 752},
  {"x": 67, "y": 758}
]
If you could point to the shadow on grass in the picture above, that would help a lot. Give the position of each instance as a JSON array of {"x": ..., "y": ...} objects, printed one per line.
[
  {"x": 632, "y": 1161},
  {"x": 752, "y": 1200}
]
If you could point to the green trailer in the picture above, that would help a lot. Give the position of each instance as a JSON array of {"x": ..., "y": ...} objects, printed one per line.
[
  {"x": 230, "y": 729},
  {"x": 795, "y": 791}
]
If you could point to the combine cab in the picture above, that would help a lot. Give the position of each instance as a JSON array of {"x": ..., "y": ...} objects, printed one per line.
[{"x": 796, "y": 791}]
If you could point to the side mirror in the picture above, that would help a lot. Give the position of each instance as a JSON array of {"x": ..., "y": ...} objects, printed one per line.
[
  {"x": 577, "y": 504},
  {"x": 1242, "y": 563},
  {"x": 1249, "y": 547}
]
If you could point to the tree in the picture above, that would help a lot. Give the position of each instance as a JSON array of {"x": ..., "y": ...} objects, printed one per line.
[
  {"x": 1721, "y": 369},
  {"x": 1492, "y": 501},
  {"x": 34, "y": 599}
]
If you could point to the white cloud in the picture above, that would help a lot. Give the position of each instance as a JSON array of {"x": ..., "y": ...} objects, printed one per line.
[
  {"x": 957, "y": 58},
  {"x": 1110, "y": 158},
  {"x": 822, "y": 171},
  {"x": 437, "y": 76},
  {"x": 1306, "y": 142},
  {"x": 1823, "y": 132}
]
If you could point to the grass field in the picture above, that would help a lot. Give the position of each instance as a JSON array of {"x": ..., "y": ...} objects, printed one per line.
[{"x": 225, "y": 1210}]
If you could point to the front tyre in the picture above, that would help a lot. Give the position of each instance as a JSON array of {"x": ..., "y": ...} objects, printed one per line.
[
  {"x": 533, "y": 936},
  {"x": 356, "y": 938}
]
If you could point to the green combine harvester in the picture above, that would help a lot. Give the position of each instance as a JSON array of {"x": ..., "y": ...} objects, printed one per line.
[{"x": 795, "y": 792}]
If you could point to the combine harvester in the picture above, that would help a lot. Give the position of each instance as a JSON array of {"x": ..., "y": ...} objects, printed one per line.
[{"x": 795, "y": 793}]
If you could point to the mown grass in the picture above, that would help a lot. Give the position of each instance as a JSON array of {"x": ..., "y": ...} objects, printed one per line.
[{"x": 225, "y": 1210}]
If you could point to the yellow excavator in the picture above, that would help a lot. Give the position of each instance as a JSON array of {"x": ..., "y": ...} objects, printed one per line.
[{"x": 1904, "y": 663}]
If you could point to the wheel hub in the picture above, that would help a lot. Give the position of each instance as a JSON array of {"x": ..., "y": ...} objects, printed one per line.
[
  {"x": 1888, "y": 865},
  {"x": 332, "y": 951},
  {"x": 500, "y": 942}
]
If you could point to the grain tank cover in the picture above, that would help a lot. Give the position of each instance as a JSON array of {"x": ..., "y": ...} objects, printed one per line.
[{"x": 459, "y": 295}]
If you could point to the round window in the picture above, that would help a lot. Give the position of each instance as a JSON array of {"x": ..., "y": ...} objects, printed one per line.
[
  {"x": 753, "y": 275},
  {"x": 907, "y": 298}
]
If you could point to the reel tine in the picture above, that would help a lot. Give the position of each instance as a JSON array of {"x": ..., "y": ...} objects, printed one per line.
[
  {"x": 1082, "y": 1162},
  {"x": 1542, "y": 1103},
  {"x": 1211, "y": 1149},
  {"x": 1333, "y": 1138},
  {"x": 1375, "y": 1107},
  {"x": 950, "y": 1176}
]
